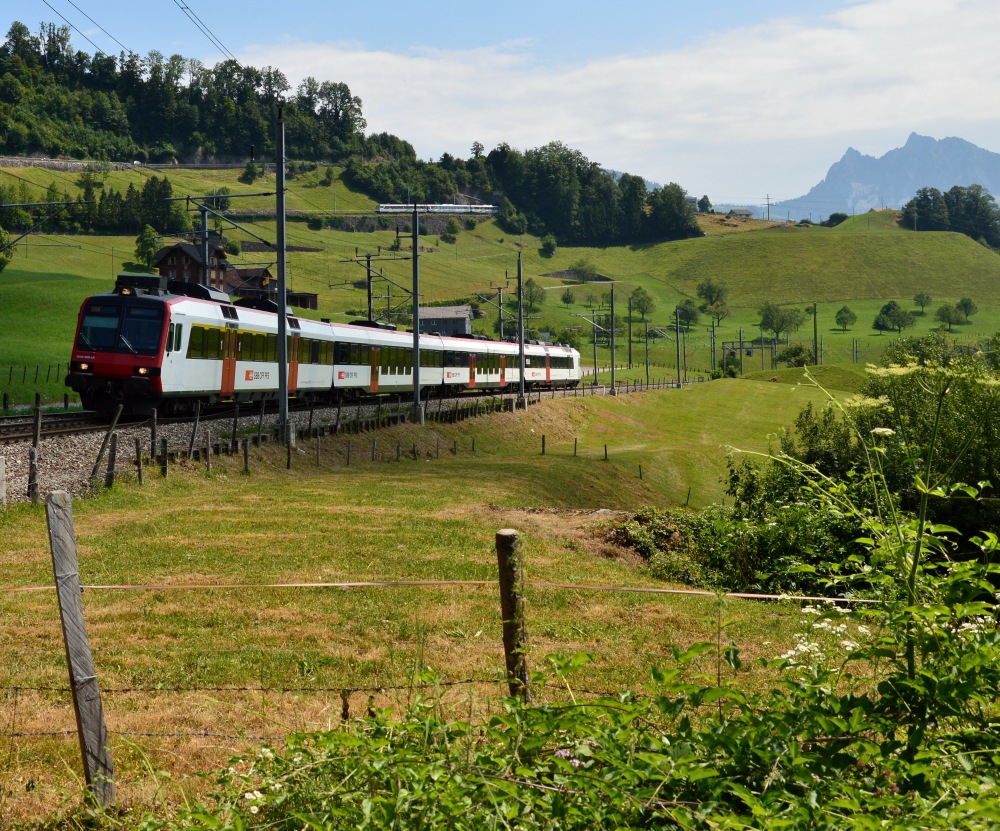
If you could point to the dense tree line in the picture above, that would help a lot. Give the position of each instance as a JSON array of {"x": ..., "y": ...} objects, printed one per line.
[
  {"x": 968, "y": 210},
  {"x": 98, "y": 209},
  {"x": 59, "y": 102}
]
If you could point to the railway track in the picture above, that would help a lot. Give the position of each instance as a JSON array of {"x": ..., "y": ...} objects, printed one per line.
[
  {"x": 22, "y": 427},
  {"x": 19, "y": 428}
]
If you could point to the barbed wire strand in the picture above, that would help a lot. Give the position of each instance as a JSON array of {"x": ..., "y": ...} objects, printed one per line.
[{"x": 366, "y": 584}]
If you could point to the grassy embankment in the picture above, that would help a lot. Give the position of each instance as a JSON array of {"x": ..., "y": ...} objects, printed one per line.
[
  {"x": 431, "y": 519},
  {"x": 862, "y": 263}
]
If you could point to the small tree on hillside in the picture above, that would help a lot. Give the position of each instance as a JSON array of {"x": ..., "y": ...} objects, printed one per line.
[
  {"x": 845, "y": 318},
  {"x": 567, "y": 297},
  {"x": 713, "y": 296},
  {"x": 642, "y": 302},
  {"x": 967, "y": 307},
  {"x": 548, "y": 245},
  {"x": 893, "y": 316},
  {"x": 922, "y": 299},
  {"x": 146, "y": 245},
  {"x": 687, "y": 313},
  {"x": 950, "y": 316},
  {"x": 534, "y": 294},
  {"x": 705, "y": 205}
]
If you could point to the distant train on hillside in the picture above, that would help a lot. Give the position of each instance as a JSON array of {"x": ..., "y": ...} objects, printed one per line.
[{"x": 158, "y": 343}]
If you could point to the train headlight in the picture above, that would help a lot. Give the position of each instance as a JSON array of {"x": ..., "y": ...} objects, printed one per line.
[
  {"x": 83, "y": 366},
  {"x": 146, "y": 371},
  {"x": 142, "y": 370}
]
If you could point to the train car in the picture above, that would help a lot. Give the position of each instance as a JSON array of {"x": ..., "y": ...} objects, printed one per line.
[{"x": 158, "y": 344}]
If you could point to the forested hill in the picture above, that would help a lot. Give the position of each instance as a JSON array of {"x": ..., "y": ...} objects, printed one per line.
[{"x": 56, "y": 101}]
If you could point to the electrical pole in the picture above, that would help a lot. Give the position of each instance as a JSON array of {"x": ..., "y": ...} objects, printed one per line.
[
  {"x": 677, "y": 332},
  {"x": 284, "y": 426},
  {"x": 614, "y": 389},
  {"x": 205, "y": 271},
  {"x": 418, "y": 409},
  {"x": 521, "y": 400},
  {"x": 368, "y": 272},
  {"x": 630, "y": 331},
  {"x": 815, "y": 334},
  {"x": 646, "y": 324}
]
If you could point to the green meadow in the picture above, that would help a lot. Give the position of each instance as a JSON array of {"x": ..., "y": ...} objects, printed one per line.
[{"x": 244, "y": 659}]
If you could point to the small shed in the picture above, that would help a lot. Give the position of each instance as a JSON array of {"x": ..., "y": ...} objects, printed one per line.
[{"x": 741, "y": 213}]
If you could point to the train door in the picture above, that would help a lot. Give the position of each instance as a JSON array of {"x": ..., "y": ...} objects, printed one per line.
[
  {"x": 472, "y": 370},
  {"x": 230, "y": 345},
  {"x": 548, "y": 368},
  {"x": 294, "y": 345},
  {"x": 375, "y": 362},
  {"x": 503, "y": 370}
]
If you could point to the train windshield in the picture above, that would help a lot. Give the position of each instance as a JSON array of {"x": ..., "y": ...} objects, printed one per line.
[{"x": 110, "y": 327}]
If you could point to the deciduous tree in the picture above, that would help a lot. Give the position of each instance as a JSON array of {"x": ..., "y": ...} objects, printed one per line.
[
  {"x": 534, "y": 294},
  {"x": 642, "y": 302},
  {"x": 845, "y": 318},
  {"x": 922, "y": 299}
]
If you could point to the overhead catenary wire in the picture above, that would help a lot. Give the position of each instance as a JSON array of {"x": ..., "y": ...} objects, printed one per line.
[
  {"x": 213, "y": 39},
  {"x": 67, "y": 22},
  {"x": 99, "y": 26}
]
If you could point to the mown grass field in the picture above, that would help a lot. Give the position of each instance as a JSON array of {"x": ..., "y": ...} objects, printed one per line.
[
  {"x": 862, "y": 263},
  {"x": 256, "y": 661}
]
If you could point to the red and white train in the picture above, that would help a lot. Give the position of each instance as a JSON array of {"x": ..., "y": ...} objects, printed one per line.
[{"x": 154, "y": 343}]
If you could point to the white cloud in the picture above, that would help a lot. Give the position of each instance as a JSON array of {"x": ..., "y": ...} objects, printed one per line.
[{"x": 764, "y": 108}]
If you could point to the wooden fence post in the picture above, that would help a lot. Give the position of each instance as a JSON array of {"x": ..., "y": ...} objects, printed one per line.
[
  {"x": 152, "y": 434},
  {"x": 373, "y": 449},
  {"x": 3, "y": 482},
  {"x": 246, "y": 457},
  {"x": 234, "y": 445},
  {"x": 543, "y": 444},
  {"x": 208, "y": 451},
  {"x": 164, "y": 460},
  {"x": 109, "y": 478},
  {"x": 194, "y": 429},
  {"x": 515, "y": 634},
  {"x": 348, "y": 453},
  {"x": 33, "y": 475},
  {"x": 98, "y": 767},
  {"x": 104, "y": 444},
  {"x": 138, "y": 459},
  {"x": 36, "y": 433}
]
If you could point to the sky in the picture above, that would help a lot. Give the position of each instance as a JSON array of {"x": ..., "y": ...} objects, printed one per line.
[{"x": 739, "y": 100}]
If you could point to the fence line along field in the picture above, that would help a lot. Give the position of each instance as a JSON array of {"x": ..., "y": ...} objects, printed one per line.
[{"x": 255, "y": 662}]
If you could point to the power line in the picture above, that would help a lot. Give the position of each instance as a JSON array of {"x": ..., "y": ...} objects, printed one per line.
[
  {"x": 81, "y": 34},
  {"x": 99, "y": 26},
  {"x": 205, "y": 30}
]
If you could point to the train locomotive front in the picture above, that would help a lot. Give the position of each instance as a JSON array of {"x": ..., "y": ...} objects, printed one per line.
[{"x": 118, "y": 352}]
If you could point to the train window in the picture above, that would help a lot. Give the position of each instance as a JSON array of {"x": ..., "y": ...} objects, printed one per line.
[
  {"x": 384, "y": 359},
  {"x": 141, "y": 330},
  {"x": 341, "y": 353},
  {"x": 170, "y": 338},
  {"x": 99, "y": 326},
  {"x": 314, "y": 346},
  {"x": 272, "y": 348},
  {"x": 178, "y": 335},
  {"x": 195, "y": 342},
  {"x": 407, "y": 361}
]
